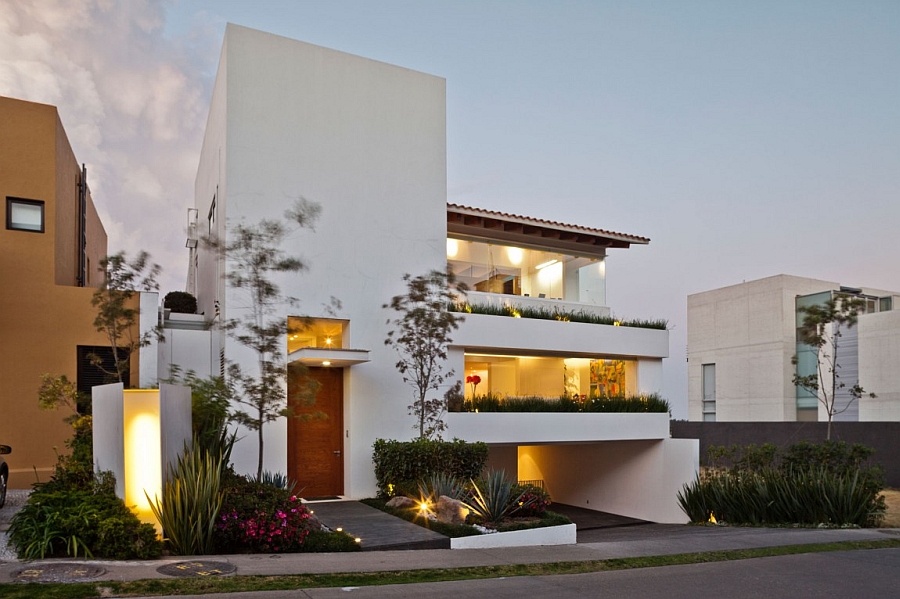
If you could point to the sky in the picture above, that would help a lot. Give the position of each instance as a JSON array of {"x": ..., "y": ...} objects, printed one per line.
[{"x": 745, "y": 139}]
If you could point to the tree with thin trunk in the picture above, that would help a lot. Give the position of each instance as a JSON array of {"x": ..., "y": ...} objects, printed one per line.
[
  {"x": 117, "y": 316},
  {"x": 253, "y": 256},
  {"x": 421, "y": 336},
  {"x": 821, "y": 330}
]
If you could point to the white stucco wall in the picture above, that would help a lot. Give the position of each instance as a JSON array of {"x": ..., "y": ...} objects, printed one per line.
[
  {"x": 147, "y": 355},
  {"x": 640, "y": 479},
  {"x": 365, "y": 140},
  {"x": 189, "y": 350}
]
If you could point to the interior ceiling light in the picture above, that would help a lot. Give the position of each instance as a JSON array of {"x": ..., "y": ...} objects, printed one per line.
[
  {"x": 326, "y": 363},
  {"x": 546, "y": 264}
]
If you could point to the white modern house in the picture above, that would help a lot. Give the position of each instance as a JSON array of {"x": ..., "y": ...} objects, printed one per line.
[
  {"x": 367, "y": 141},
  {"x": 742, "y": 339}
]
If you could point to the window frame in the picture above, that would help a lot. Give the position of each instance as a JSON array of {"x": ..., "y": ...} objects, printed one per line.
[{"x": 10, "y": 201}]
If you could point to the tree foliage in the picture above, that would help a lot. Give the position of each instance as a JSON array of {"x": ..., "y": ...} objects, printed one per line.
[
  {"x": 821, "y": 329},
  {"x": 421, "y": 334},
  {"x": 254, "y": 255},
  {"x": 117, "y": 316}
]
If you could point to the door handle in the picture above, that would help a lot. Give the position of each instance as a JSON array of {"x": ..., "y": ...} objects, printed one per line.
[{"x": 337, "y": 452}]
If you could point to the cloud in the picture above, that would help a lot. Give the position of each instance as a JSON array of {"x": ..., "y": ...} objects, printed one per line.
[{"x": 133, "y": 102}]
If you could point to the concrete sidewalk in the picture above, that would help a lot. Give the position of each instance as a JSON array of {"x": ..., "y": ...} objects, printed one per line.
[{"x": 593, "y": 544}]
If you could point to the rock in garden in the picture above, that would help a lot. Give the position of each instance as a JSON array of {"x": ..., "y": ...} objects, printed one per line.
[
  {"x": 450, "y": 510},
  {"x": 401, "y": 502}
]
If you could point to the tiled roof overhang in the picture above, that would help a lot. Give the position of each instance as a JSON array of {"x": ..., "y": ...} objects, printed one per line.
[{"x": 486, "y": 225}]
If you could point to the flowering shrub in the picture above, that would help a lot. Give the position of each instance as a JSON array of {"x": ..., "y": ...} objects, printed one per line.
[
  {"x": 534, "y": 501},
  {"x": 261, "y": 518},
  {"x": 268, "y": 531}
]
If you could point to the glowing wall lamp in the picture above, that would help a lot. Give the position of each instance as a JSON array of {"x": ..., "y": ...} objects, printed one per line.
[{"x": 137, "y": 434}]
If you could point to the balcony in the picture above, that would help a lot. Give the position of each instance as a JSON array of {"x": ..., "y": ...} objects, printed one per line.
[{"x": 497, "y": 300}]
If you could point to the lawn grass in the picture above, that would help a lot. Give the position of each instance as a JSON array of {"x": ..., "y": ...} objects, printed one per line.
[{"x": 235, "y": 584}]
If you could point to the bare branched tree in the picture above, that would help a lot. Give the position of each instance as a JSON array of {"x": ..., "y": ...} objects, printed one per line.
[
  {"x": 253, "y": 254},
  {"x": 421, "y": 336},
  {"x": 821, "y": 329},
  {"x": 117, "y": 315}
]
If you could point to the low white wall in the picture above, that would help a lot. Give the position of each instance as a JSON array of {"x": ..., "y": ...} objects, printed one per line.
[
  {"x": 550, "y": 535},
  {"x": 532, "y": 428},
  {"x": 639, "y": 479}
]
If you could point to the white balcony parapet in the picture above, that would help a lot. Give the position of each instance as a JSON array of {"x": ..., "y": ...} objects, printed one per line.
[
  {"x": 538, "y": 428},
  {"x": 481, "y": 298}
]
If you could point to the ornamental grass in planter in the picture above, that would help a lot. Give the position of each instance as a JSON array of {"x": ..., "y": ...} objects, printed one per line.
[{"x": 831, "y": 484}]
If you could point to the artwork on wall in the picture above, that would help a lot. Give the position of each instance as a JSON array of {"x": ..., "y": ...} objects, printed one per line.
[{"x": 607, "y": 378}]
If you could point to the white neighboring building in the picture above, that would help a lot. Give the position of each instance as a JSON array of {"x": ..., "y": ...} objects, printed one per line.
[
  {"x": 742, "y": 338},
  {"x": 367, "y": 141}
]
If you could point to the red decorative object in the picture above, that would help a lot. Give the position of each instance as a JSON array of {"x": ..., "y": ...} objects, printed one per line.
[{"x": 474, "y": 379}]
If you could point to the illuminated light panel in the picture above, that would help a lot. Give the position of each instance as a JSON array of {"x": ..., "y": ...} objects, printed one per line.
[
  {"x": 452, "y": 248},
  {"x": 543, "y": 265},
  {"x": 326, "y": 363},
  {"x": 143, "y": 457}
]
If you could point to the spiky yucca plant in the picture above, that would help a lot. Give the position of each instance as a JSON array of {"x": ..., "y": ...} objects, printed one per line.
[{"x": 191, "y": 500}]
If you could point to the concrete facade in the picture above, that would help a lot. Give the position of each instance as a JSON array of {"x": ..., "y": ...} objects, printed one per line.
[
  {"x": 749, "y": 333},
  {"x": 367, "y": 142}
]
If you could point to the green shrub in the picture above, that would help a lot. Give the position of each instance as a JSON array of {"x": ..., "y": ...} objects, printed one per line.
[
  {"x": 323, "y": 541},
  {"x": 94, "y": 523},
  {"x": 400, "y": 465},
  {"x": 180, "y": 302},
  {"x": 830, "y": 483}
]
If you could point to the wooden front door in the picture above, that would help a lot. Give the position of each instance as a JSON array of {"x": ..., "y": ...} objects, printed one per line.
[{"x": 315, "y": 440}]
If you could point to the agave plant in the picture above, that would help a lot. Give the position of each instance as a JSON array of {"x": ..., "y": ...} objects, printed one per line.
[
  {"x": 277, "y": 480},
  {"x": 494, "y": 497},
  {"x": 441, "y": 483}
]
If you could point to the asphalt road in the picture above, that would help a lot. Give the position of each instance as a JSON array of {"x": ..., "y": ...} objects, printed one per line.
[{"x": 852, "y": 574}]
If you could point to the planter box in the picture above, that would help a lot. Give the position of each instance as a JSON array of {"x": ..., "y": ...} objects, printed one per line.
[{"x": 549, "y": 535}]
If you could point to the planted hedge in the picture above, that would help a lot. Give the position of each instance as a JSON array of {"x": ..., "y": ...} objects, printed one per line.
[
  {"x": 652, "y": 403},
  {"x": 542, "y": 313},
  {"x": 400, "y": 465},
  {"x": 832, "y": 484}
]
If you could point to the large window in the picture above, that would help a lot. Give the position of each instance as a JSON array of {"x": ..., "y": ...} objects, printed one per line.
[
  {"x": 321, "y": 333},
  {"x": 709, "y": 392},
  {"x": 25, "y": 215},
  {"x": 549, "y": 377},
  {"x": 543, "y": 274}
]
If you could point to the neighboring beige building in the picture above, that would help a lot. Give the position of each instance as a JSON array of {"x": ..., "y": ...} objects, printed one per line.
[
  {"x": 51, "y": 243},
  {"x": 742, "y": 338}
]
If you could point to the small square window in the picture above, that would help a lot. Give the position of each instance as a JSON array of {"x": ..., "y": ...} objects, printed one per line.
[{"x": 25, "y": 215}]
